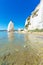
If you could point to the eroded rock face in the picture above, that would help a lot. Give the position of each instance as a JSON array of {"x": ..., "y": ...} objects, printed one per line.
[
  {"x": 36, "y": 18},
  {"x": 10, "y": 26},
  {"x": 27, "y": 23}
]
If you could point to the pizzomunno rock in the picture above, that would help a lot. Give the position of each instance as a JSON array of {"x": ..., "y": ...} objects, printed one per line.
[{"x": 10, "y": 26}]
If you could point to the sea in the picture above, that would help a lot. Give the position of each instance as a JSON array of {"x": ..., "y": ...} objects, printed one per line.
[{"x": 27, "y": 46}]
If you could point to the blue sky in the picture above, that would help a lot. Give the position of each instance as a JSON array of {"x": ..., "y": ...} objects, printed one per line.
[{"x": 17, "y": 11}]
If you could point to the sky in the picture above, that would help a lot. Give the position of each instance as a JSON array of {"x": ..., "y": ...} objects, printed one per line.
[{"x": 17, "y": 11}]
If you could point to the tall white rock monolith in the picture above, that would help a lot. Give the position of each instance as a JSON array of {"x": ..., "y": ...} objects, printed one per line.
[{"x": 10, "y": 26}]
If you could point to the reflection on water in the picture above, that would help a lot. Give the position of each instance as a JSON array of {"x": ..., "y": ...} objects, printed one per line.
[
  {"x": 27, "y": 47},
  {"x": 10, "y": 35}
]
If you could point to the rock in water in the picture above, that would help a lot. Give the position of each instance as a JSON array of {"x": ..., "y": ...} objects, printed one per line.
[{"x": 10, "y": 27}]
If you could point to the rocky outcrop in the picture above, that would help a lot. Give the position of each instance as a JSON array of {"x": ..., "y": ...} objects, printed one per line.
[
  {"x": 36, "y": 18},
  {"x": 27, "y": 23},
  {"x": 10, "y": 26}
]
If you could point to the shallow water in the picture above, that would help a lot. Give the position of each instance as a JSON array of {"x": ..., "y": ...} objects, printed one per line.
[{"x": 21, "y": 49}]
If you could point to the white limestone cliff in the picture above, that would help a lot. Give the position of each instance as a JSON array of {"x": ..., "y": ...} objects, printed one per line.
[
  {"x": 10, "y": 26},
  {"x": 36, "y": 18},
  {"x": 27, "y": 23}
]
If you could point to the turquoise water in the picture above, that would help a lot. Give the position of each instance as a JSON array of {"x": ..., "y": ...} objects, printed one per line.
[{"x": 25, "y": 43}]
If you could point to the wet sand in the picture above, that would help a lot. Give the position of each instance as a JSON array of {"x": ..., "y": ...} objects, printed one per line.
[{"x": 25, "y": 56}]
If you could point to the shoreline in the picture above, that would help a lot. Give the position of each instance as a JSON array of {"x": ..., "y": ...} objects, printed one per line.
[{"x": 25, "y": 32}]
